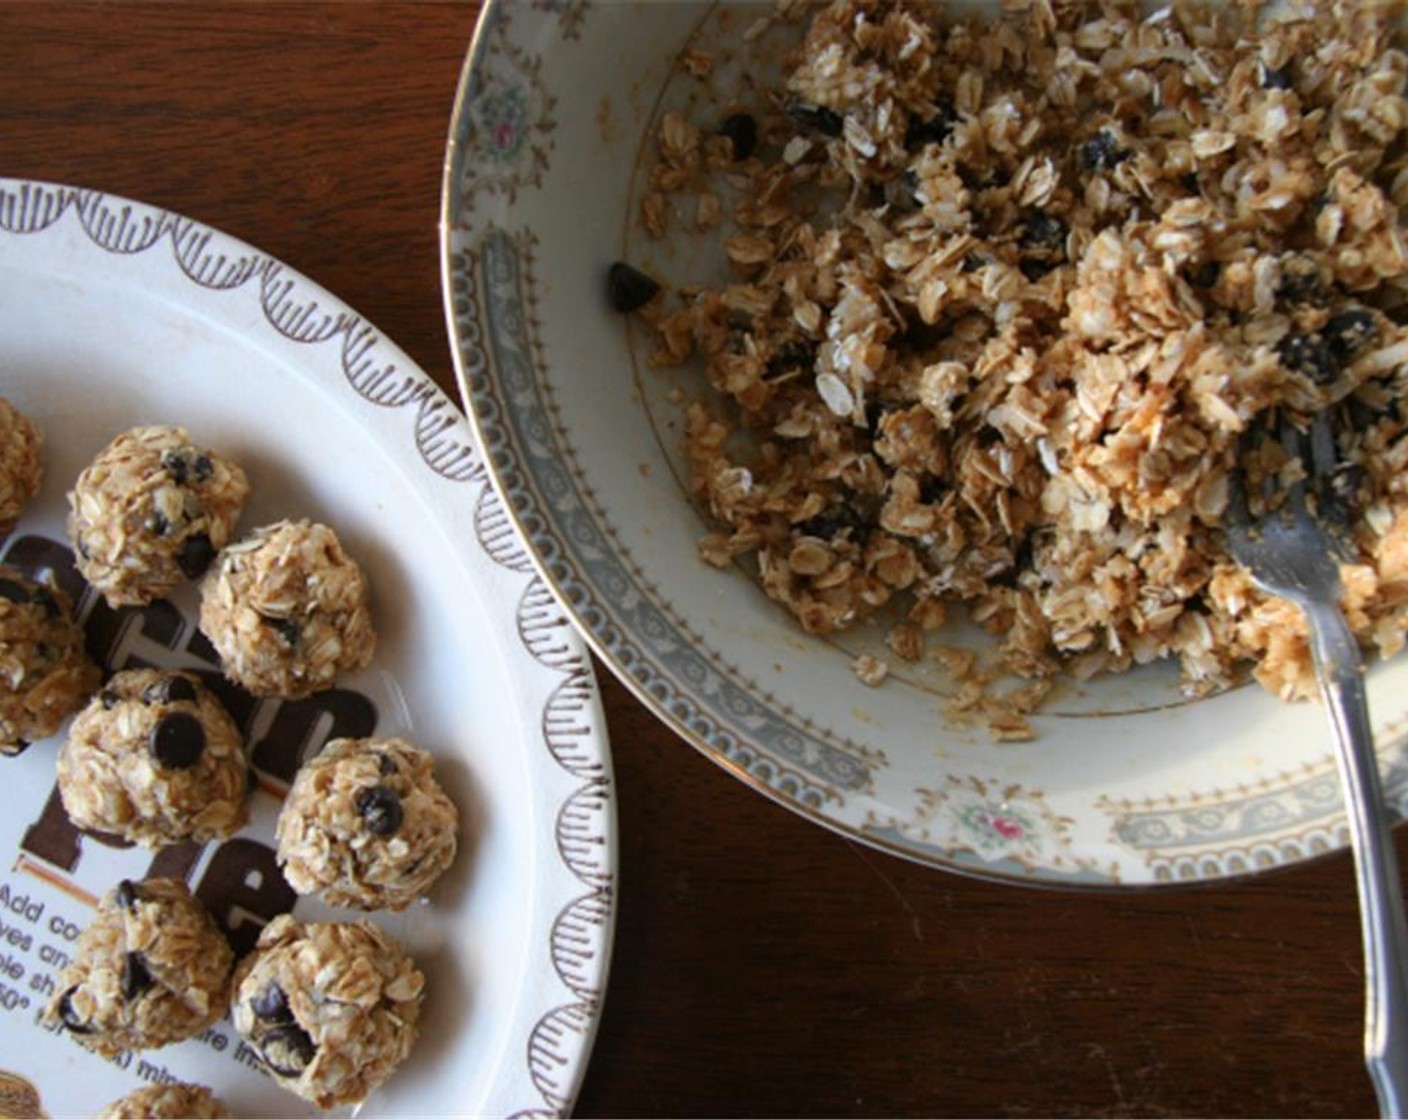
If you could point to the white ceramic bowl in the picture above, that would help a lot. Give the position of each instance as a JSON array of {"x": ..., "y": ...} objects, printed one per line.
[{"x": 1127, "y": 782}]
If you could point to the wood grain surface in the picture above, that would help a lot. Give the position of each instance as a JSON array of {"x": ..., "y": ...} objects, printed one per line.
[{"x": 763, "y": 966}]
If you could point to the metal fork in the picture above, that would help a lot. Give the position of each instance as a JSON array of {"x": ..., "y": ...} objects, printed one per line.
[{"x": 1291, "y": 553}]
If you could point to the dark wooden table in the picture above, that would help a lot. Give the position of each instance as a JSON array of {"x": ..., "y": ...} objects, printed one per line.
[{"x": 763, "y": 966}]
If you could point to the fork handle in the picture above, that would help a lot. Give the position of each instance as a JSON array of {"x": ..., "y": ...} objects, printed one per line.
[{"x": 1341, "y": 679}]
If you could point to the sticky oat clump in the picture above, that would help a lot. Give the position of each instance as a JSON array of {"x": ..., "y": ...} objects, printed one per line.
[
  {"x": 151, "y": 511},
  {"x": 1006, "y": 293},
  {"x": 287, "y": 610},
  {"x": 21, "y": 463}
]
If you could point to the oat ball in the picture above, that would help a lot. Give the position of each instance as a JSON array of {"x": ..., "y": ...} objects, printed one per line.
[
  {"x": 175, "y": 1101},
  {"x": 45, "y": 673},
  {"x": 21, "y": 463},
  {"x": 331, "y": 1007},
  {"x": 151, "y": 969},
  {"x": 366, "y": 825},
  {"x": 286, "y": 608},
  {"x": 156, "y": 759},
  {"x": 151, "y": 511}
]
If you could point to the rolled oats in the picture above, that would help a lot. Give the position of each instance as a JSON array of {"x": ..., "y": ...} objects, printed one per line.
[
  {"x": 330, "y": 1007},
  {"x": 152, "y": 968},
  {"x": 45, "y": 673},
  {"x": 1007, "y": 293},
  {"x": 286, "y": 609},
  {"x": 175, "y": 1101},
  {"x": 156, "y": 759},
  {"x": 150, "y": 512},
  {"x": 367, "y": 825},
  {"x": 21, "y": 463}
]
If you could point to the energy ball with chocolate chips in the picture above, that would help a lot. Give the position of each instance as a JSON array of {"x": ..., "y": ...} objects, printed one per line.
[
  {"x": 150, "y": 512},
  {"x": 366, "y": 825},
  {"x": 153, "y": 968},
  {"x": 156, "y": 759},
  {"x": 177, "y": 1100},
  {"x": 330, "y": 1007},
  {"x": 45, "y": 675},
  {"x": 21, "y": 463},
  {"x": 286, "y": 609}
]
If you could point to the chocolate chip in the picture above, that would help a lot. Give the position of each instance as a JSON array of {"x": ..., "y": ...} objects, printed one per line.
[
  {"x": 818, "y": 117},
  {"x": 380, "y": 809},
  {"x": 742, "y": 131},
  {"x": 68, "y": 1016},
  {"x": 109, "y": 699},
  {"x": 127, "y": 894},
  {"x": 1309, "y": 355},
  {"x": 175, "y": 465},
  {"x": 1034, "y": 268},
  {"x": 1102, "y": 152},
  {"x": 628, "y": 288},
  {"x": 13, "y": 591},
  {"x": 1299, "y": 282},
  {"x": 1205, "y": 275},
  {"x": 286, "y": 628},
  {"x": 170, "y": 690},
  {"x": 1278, "y": 77},
  {"x": 159, "y": 525},
  {"x": 45, "y": 598},
  {"x": 287, "y": 1050},
  {"x": 1350, "y": 331},
  {"x": 271, "y": 1004},
  {"x": 387, "y": 765},
  {"x": 178, "y": 740},
  {"x": 196, "y": 554},
  {"x": 831, "y": 522},
  {"x": 135, "y": 977},
  {"x": 929, "y": 130},
  {"x": 791, "y": 355},
  {"x": 1043, "y": 230},
  {"x": 203, "y": 468}
]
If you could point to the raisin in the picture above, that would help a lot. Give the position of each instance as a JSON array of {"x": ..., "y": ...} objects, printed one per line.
[
  {"x": 817, "y": 117},
  {"x": 628, "y": 288},
  {"x": 742, "y": 131},
  {"x": 203, "y": 468},
  {"x": 109, "y": 699},
  {"x": 1043, "y": 230}
]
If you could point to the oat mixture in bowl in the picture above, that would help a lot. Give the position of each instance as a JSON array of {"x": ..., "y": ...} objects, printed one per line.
[
  {"x": 1006, "y": 296},
  {"x": 911, "y": 345}
]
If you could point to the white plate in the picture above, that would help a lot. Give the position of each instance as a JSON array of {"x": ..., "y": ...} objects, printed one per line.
[
  {"x": 113, "y": 313},
  {"x": 1127, "y": 784}
]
